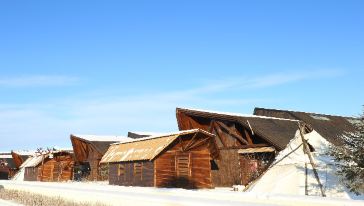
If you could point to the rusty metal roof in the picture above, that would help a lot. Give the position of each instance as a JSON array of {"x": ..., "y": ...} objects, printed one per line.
[{"x": 143, "y": 148}]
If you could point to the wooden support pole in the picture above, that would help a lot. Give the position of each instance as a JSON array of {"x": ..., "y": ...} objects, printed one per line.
[
  {"x": 306, "y": 180},
  {"x": 306, "y": 150}
]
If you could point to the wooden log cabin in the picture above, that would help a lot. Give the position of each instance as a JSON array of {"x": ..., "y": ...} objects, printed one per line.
[
  {"x": 234, "y": 134},
  {"x": 181, "y": 159},
  {"x": 54, "y": 166},
  {"x": 88, "y": 150}
]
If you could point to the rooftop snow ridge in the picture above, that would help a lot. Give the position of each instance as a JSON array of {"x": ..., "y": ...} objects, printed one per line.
[
  {"x": 101, "y": 138},
  {"x": 237, "y": 114},
  {"x": 310, "y": 113}
]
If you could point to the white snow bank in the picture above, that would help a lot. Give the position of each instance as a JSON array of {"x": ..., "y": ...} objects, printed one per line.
[
  {"x": 8, "y": 203},
  {"x": 119, "y": 195},
  {"x": 287, "y": 175}
]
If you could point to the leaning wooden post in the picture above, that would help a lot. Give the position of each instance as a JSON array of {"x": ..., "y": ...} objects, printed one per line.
[{"x": 306, "y": 150}]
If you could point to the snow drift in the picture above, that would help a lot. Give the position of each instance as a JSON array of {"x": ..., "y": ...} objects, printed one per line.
[{"x": 288, "y": 174}]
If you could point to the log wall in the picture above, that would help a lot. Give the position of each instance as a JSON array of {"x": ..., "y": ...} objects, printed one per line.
[{"x": 139, "y": 173}]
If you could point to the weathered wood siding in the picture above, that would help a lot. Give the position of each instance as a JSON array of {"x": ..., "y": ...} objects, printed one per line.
[
  {"x": 31, "y": 174},
  {"x": 226, "y": 170},
  {"x": 139, "y": 173}
]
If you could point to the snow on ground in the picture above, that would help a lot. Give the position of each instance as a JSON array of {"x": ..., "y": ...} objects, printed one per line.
[
  {"x": 287, "y": 175},
  {"x": 119, "y": 195},
  {"x": 8, "y": 203}
]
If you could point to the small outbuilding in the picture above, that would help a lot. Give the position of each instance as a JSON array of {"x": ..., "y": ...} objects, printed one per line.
[
  {"x": 181, "y": 159},
  {"x": 53, "y": 166},
  {"x": 88, "y": 151}
]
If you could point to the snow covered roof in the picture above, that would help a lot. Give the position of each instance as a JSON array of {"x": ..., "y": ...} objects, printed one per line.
[
  {"x": 99, "y": 143},
  {"x": 5, "y": 156},
  {"x": 233, "y": 114},
  {"x": 331, "y": 127},
  {"x": 24, "y": 152},
  {"x": 100, "y": 138},
  {"x": 144, "y": 148},
  {"x": 277, "y": 131},
  {"x": 32, "y": 161}
]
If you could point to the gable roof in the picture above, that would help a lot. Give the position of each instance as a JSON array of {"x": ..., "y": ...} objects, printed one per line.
[
  {"x": 331, "y": 127},
  {"x": 101, "y": 143},
  {"x": 144, "y": 148},
  {"x": 277, "y": 131}
]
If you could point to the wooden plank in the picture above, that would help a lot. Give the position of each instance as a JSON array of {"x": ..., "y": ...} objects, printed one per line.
[{"x": 250, "y": 141}]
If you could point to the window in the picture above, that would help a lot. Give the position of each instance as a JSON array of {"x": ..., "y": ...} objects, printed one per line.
[
  {"x": 183, "y": 165},
  {"x": 121, "y": 170},
  {"x": 214, "y": 165},
  {"x": 138, "y": 169}
]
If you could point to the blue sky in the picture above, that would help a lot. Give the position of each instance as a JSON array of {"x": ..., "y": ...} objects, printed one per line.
[{"x": 108, "y": 67}]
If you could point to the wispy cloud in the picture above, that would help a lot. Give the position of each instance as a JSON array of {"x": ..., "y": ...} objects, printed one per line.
[
  {"x": 268, "y": 80},
  {"x": 50, "y": 123},
  {"x": 37, "y": 81}
]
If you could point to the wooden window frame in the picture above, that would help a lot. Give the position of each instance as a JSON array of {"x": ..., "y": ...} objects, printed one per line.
[{"x": 178, "y": 164}]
